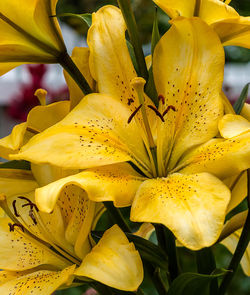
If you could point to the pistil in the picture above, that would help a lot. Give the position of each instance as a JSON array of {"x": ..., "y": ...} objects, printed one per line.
[{"x": 138, "y": 84}]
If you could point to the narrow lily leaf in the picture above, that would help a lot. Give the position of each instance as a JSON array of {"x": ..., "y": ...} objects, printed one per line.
[
  {"x": 238, "y": 105},
  {"x": 132, "y": 55},
  {"x": 85, "y": 17},
  {"x": 23, "y": 165},
  {"x": 155, "y": 33},
  {"x": 193, "y": 283},
  {"x": 150, "y": 88},
  {"x": 149, "y": 251}
]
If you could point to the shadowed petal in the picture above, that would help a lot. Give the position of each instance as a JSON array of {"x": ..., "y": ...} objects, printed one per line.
[
  {"x": 113, "y": 262},
  {"x": 20, "y": 253},
  {"x": 117, "y": 183}
]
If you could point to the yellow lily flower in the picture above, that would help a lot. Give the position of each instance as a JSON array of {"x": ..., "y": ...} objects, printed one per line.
[
  {"x": 42, "y": 252},
  {"x": 180, "y": 185},
  {"x": 28, "y": 33},
  {"x": 232, "y": 28}
]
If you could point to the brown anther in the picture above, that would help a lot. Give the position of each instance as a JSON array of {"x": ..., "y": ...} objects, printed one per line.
[
  {"x": 130, "y": 100},
  {"x": 161, "y": 98},
  {"x": 15, "y": 210},
  {"x": 134, "y": 113},
  {"x": 32, "y": 216},
  {"x": 12, "y": 226},
  {"x": 169, "y": 108},
  {"x": 32, "y": 205},
  {"x": 156, "y": 112}
]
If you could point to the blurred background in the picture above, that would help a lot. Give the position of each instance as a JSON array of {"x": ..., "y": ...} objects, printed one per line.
[{"x": 18, "y": 86}]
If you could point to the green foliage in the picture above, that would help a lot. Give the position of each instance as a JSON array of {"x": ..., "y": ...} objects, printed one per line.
[
  {"x": 241, "y": 100},
  {"x": 85, "y": 17},
  {"x": 23, "y": 165},
  {"x": 193, "y": 283}
]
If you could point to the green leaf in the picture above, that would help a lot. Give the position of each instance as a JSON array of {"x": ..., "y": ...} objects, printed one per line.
[
  {"x": 132, "y": 55},
  {"x": 155, "y": 33},
  {"x": 23, "y": 165},
  {"x": 85, "y": 17},
  {"x": 149, "y": 251},
  {"x": 193, "y": 283},
  {"x": 241, "y": 100},
  {"x": 150, "y": 88}
]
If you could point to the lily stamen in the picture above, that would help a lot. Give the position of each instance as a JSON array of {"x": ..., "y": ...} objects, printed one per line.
[
  {"x": 32, "y": 216},
  {"x": 156, "y": 112},
  {"x": 134, "y": 113},
  {"x": 171, "y": 107},
  {"x": 161, "y": 98},
  {"x": 32, "y": 205},
  {"x": 15, "y": 209},
  {"x": 12, "y": 226}
]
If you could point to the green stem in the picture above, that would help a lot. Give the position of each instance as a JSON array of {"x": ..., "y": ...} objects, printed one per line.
[
  {"x": 128, "y": 15},
  {"x": 101, "y": 289},
  {"x": 240, "y": 249},
  {"x": 206, "y": 265},
  {"x": 117, "y": 217},
  {"x": 156, "y": 278},
  {"x": 166, "y": 241},
  {"x": 67, "y": 63}
]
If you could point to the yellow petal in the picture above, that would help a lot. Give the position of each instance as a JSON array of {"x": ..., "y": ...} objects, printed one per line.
[
  {"x": 231, "y": 242},
  {"x": 117, "y": 183},
  {"x": 94, "y": 133},
  {"x": 45, "y": 174},
  {"x": 228, "y": 108},
  {"x": 16, "y": 182},
  {"x": 234, "y": 31},
  {"x": 42, "y": 117},
  {"x": 33, "y": 38},
  {"x": 145, "y": 230},
  {"x": 223, "y": 158},
  {"x": 238, "y": 186},
  {"x": 215, "y": 10},
  {"x": 43, "y": 282},
  {"x": 113, "y": 262},
  {"x": 39, "y": 119},
  {"x": 232, "y": 125},
  {"x": 78, "y": 213},
  {"x": 185, "y": 62},
  {"x": 11, "y": 143},
  {"x": 110, "y": 61},
  {"x": 193, "y": 207},
  {"x": 80, "y": 56},
  {"x": 245, "y": 112},
  {"x": 174, "y": 8},
  {"x": 6, "y": 276},
  {"x": 20, "y": 253}
]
